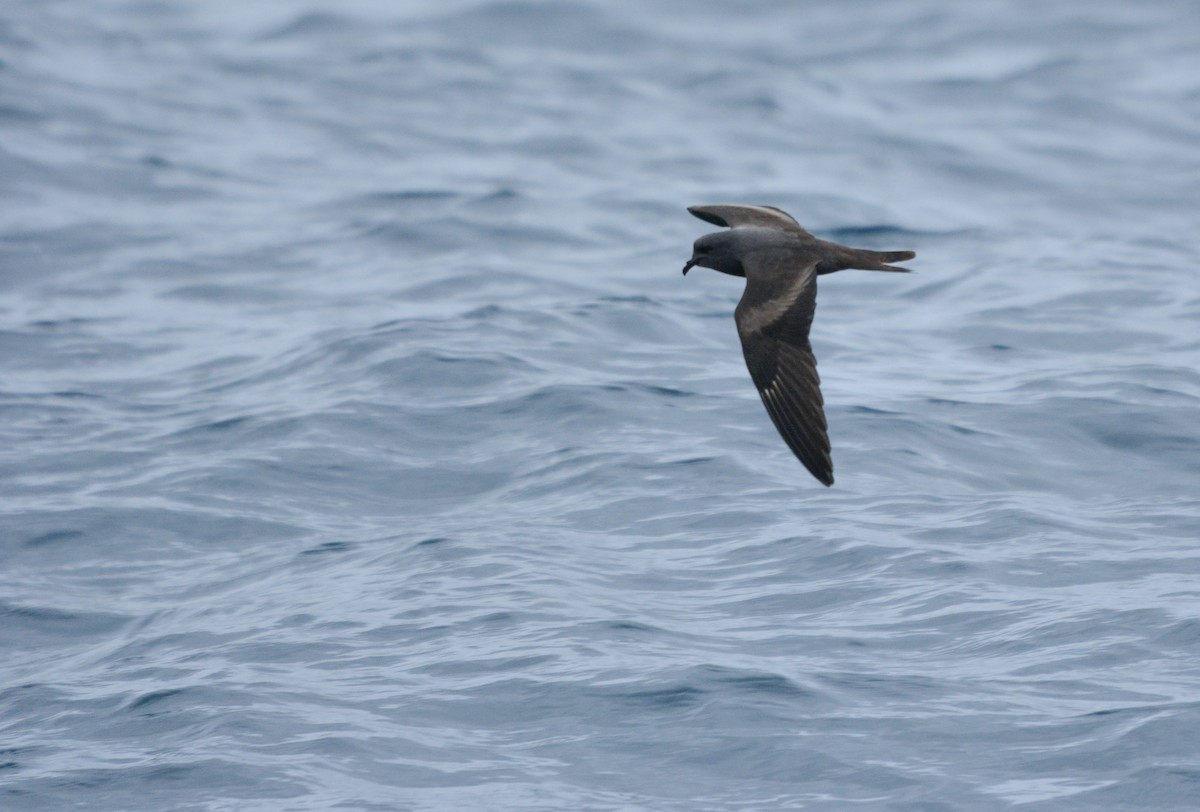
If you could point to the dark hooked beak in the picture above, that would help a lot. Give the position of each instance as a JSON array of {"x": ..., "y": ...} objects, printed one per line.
[{"x": 691, "y": 263}]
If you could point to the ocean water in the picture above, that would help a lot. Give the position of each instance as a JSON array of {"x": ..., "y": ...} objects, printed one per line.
[{"x": 363, "y": 448}]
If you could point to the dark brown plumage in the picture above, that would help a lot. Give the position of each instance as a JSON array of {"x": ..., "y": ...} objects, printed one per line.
[{"x": 781, "y": 262}]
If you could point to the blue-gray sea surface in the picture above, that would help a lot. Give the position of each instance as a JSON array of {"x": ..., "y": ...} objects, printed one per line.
[{"x": 362, "y": 446}]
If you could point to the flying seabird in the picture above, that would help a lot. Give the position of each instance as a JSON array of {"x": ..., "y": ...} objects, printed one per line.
[{"x": 781, "y": 262}]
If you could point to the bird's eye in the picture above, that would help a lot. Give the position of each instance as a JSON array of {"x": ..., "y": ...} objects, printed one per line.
[{"x": 701, "y": 249}]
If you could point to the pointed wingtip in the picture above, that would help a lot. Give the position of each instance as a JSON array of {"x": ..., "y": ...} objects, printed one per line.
[
  {"x": 733, "y": 215},
  {"x": 707, "y": 216}
]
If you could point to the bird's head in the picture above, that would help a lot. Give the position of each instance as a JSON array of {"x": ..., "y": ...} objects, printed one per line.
[{"x": 716, "y": 251}]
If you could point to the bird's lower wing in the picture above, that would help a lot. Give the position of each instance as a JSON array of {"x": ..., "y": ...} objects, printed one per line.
[
  {"x": 773, "y": 323},
  {"x": 787, "y": 381}
]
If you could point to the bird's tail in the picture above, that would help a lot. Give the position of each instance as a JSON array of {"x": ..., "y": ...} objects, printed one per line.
[{"x": 865, "y": 260}]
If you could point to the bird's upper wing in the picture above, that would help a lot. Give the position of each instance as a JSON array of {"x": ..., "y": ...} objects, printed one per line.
[
  {"x": 773, "y": 319},
  {"x": 732, "y": 215}
]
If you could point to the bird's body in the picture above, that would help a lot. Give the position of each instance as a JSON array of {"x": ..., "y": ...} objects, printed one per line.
[{"x": 781, "y": 262}]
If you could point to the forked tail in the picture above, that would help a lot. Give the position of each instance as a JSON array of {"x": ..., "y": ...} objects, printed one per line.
[{"x": 865, "y": 260}]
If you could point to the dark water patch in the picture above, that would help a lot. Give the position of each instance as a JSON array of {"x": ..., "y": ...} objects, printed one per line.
[
  {"x": 406, "y": 197},
  {"x": 154, "y": 698},
  {"x": 329, "y": 547},
  {"x": 31, "y": 626},
  {"x": 72, "y": 395},
  {"x": 217, "y": 426},
  {"x": 489, "y": 666},
  {"x": 451, "y": 233},
  {"x": 228, "y": 294},
  {"x": 311, "y": 25},
  {"x": 568, "y": 26},
  {"x": 128, "y": 533},
  {"x": 54, "y": 537},
  {"x": 759, "y": 684},
  {"x": 131, "y": 785},
  {"x": 870, "y": 235},
  {"x": 631, "y": 626},
  {"x": 680, "y": 697},
  {"x": 503, "y": 196},
  {"x": 436, "y": 373},
  {"x": 1184, "y": 634}
]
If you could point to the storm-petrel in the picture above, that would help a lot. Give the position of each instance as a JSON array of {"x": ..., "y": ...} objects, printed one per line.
[{"x": 781, "y": 262}]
